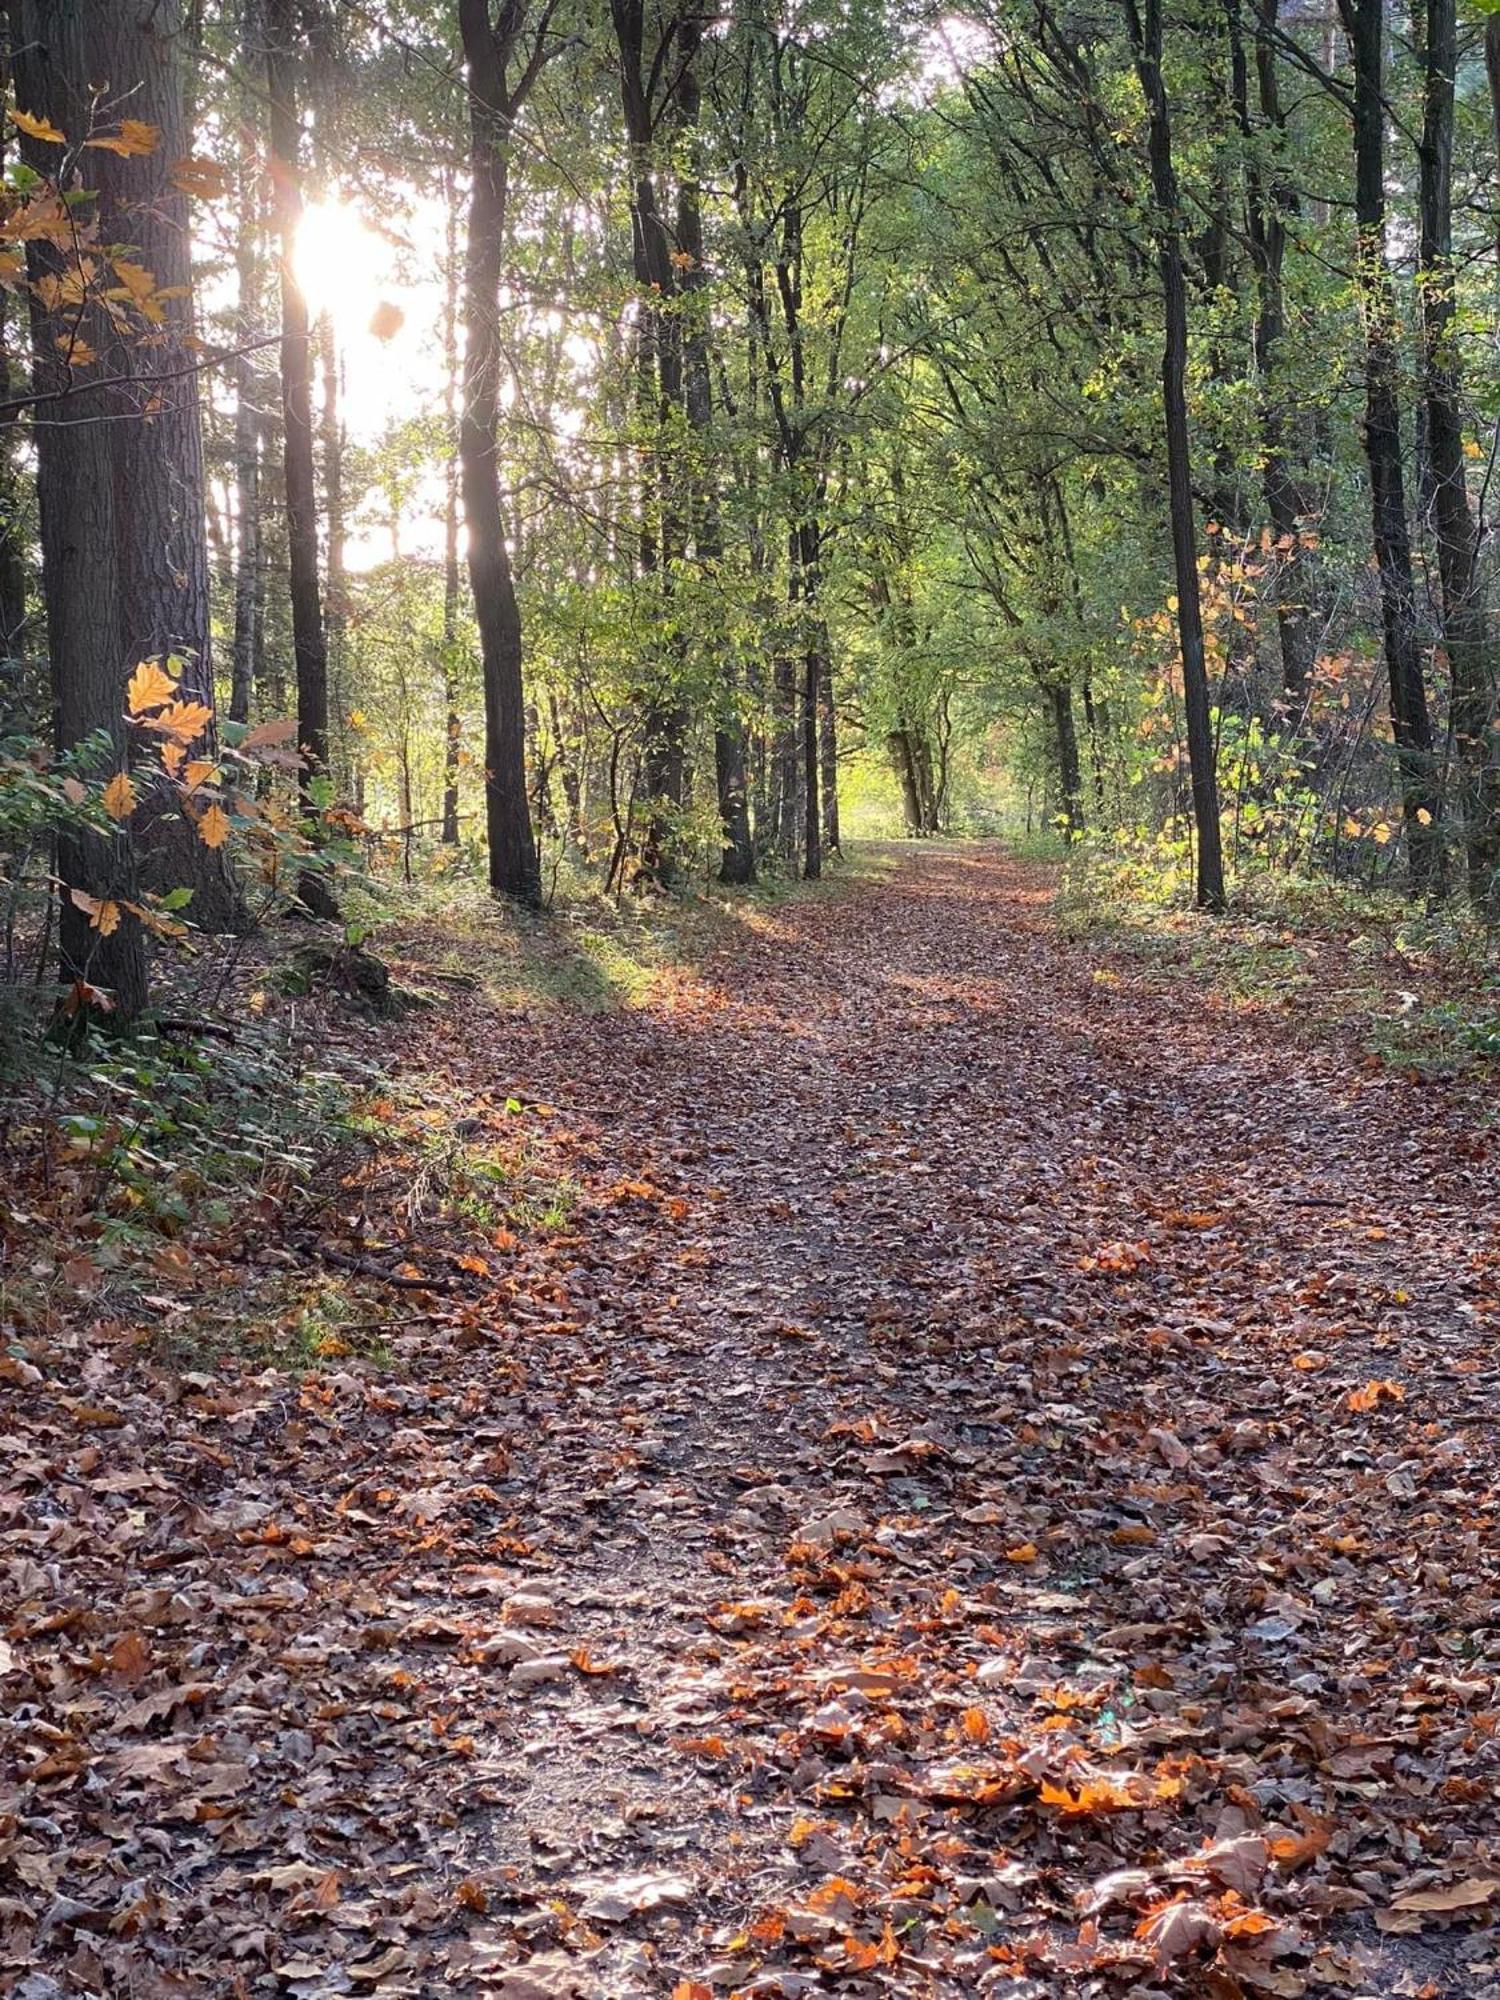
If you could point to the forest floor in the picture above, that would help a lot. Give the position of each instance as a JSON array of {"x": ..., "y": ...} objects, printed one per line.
[{"x": 912, "y": 1456}]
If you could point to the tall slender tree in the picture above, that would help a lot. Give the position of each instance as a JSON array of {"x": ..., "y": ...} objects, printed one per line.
[
  {"x": 1145, "y": 25},
  {"x": 1411, "y": 725},
  {"x": 309, "y": 634},
  {"x": 505, "y": 52}
]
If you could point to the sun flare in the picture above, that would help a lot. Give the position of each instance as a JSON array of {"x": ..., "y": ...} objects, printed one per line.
[{"x": 339, "y": 264}]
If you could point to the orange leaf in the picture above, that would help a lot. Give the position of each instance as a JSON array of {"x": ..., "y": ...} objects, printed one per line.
[
  {"x": 148, "y": 687},
  {"x": 976, "y": 1724},
  {"x": 134, "y": 139},
  {"x": 38, "y": 128},
  {"x": 213, "y": 828},
  {"x": 119, "y": 796},
  {"x": 1023, "y": 1552},
  {"x": 197, "y": 176},
  {"x": 184, "y": 721},
  {"x": 1374, "y": 1393}
]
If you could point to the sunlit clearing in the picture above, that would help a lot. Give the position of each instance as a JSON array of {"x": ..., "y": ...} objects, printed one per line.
[{"x": 340, "y": 266}]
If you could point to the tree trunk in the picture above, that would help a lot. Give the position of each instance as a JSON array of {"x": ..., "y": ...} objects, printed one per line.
[
  {"x": 1410, "y": 725},
  {"x": 336, "y": 601},
  {"x": 514, "y": 869},
  {"x": 247, "y": 419},
  {"x": 120, "y": 467},
  {"x": 1069, "y": 766},
  {"x": 453, "y": 733},
  {"x": 1268, "y": 201},
  {"x": 1454, "y": 518},
  {"x": 828, "y": 746},
  {"x": 309, "y": 638},
  {"x": 902, "y": 756},
  {"x": 12, "y": 506},
  {"x": 1146, "y": 39}
]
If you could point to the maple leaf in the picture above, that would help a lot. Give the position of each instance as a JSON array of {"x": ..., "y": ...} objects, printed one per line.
[
  {"x": 118, "y": 797},
  {"x": 148, "y": 687}
]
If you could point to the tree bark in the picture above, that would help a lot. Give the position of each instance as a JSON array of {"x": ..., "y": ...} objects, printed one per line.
[
  {"x": 1069, "y": 766},
  {"x": 453, "y": 729},
  {"x": 309, "y": 636},
  {"x": 1454, "y": 518},
  {"x": 1268, "y": 202},
  {"x": 1146, "y": 40},
  {"x": 494, "y": 104},
  {"x": 247, "y": 416},
  {"x": 1410, "y": 725},
  {"x": 120, "y": 467}
]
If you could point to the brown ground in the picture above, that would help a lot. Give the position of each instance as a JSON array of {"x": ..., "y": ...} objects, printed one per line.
[{"x": 988, "y": 1425}]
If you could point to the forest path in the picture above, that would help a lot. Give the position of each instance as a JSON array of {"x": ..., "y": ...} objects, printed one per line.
[
  {"x": 997, "y": 1412},
  {"x": 980, "y": 1420}
]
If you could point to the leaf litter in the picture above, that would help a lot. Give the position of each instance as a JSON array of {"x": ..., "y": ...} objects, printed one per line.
[{"x": 990, "y": 1489}]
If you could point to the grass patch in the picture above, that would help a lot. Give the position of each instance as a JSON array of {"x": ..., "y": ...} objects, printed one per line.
[
  {"x": 594, "y": 954},
  {"x": 1419, "y": 989}
]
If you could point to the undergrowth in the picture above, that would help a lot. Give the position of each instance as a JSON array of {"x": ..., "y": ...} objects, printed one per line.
[{"x": 1419, "y": 987}]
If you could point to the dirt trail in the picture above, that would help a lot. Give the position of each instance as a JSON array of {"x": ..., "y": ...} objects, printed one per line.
[
  {"x": 1079, "y": 1271},
  {"x": 998, "y": 1424}
]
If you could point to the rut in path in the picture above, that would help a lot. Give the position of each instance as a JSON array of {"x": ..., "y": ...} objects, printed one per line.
[{"x": 992, "y": 1423}]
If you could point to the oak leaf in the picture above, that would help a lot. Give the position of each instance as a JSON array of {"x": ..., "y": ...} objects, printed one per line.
[
  {"x": 148, "y": 687},
  {"x": 119, "y": 796}
]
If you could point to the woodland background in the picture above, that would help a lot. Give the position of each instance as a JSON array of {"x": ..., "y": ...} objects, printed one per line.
[{"x": 645, "y": 441}]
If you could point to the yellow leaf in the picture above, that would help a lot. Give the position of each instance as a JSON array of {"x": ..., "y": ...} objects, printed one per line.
[
  {"x": 213, "y": 828},
  {"x": 1381, "y": 833},
  {"x": 1473, "y": 448},
  {"x": 134, "y": 139},
  {"x": 1424, "y": 817},
  {"x": 172, "y": 755},
  {"x": 135, "y": 280},
  {"x": 38, "y": 128},
  {"x": 148, "y": 687},
  {"x": 1023, "y": 1552},
  {"x": 198, "y": 772},
  {"x": 119, "y": 796}
]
